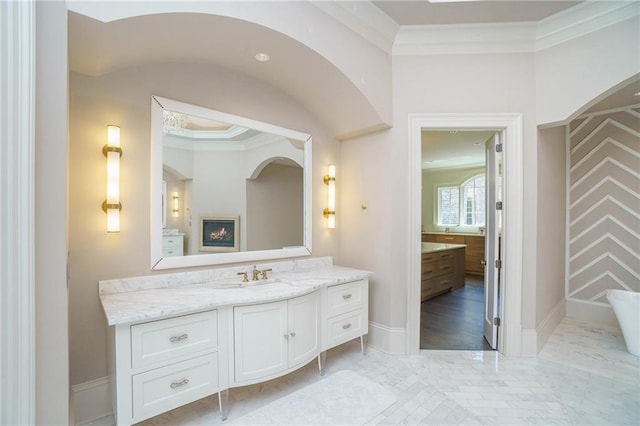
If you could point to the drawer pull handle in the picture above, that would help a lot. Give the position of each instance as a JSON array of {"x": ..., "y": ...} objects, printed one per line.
[
  {"x": 346, "y": 326},
  {"x": 429, "y": 271},
  {"x": 179, "y": 384},
  {"x": 346, "y": 296},
  {"x": 175, "y": 339},
  {"x": 448, "y": 238},
  {"x": 292, "y": 334}
]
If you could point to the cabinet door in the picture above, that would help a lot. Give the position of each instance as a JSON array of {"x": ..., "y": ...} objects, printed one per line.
[
  {"x": 260, "y": 340},
  {"x": 304, "y": 329}
]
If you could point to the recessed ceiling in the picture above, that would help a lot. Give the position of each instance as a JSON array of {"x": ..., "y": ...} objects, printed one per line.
[
  {"x": 449, "y": 149},
  {"x": 470, "y": 12},
  {"x": 97, "y": 48}
]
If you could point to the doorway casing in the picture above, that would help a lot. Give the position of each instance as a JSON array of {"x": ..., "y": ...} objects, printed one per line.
[{"x": 510, "y": 125}]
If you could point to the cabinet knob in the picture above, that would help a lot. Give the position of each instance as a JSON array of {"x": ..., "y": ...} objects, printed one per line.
[
  {"x": 292, "y": 334},
  {"x": 286, "y": 336},
  {"x": 346, "y": 296}
]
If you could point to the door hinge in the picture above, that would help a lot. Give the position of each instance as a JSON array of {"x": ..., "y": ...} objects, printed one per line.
[
  {"x": 498, "y": 205},
  {"x": 498, "y": 147},
  {"x": 496, "y": 321},
  {"x": 498, "y": 263}
]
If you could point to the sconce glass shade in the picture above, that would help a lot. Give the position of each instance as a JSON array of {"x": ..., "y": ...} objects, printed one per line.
[
  {"x": 330, "y": 211},
  {"x": 112, "y": 204},
  {"x": 176, "y": 206}
]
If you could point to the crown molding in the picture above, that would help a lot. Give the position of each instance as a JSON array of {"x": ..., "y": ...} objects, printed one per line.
[
  {"x": 583, "y": 19},
  {"x": 465, "y": 39},
  {"x": 365, "y": 19},
  {"x": 578, "y": 21}
]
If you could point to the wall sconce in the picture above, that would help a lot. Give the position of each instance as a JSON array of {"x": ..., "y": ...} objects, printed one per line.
[
  {"x": 113, "y": 152},
  {"x": 330, "y": 211},
  {"x": 176, "y": 206}
]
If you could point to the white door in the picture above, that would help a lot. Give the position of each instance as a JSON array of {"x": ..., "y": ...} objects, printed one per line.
[
  {"x": 304, "y": 328},
  {"x": 492, "y": 238},
  {"x": 260, "y": 340}
]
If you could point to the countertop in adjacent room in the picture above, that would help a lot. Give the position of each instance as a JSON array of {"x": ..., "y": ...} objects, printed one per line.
[{"x": 431, "y": 247}]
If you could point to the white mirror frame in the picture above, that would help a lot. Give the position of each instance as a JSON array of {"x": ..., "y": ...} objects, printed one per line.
[{"x": 158, "y": 104}]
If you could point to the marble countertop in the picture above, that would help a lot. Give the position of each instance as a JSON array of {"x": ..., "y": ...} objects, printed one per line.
[
  {"x": 462, "y": 234},
  {"x": 431, "y": 247},
  {"x": 127, "y": 301}
]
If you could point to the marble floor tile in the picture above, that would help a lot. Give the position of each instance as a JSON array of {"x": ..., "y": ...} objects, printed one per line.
[{"x": 582, "y": 376}]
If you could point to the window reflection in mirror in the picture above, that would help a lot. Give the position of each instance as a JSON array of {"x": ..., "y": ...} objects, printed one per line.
[{"x": 217, "y": 167}]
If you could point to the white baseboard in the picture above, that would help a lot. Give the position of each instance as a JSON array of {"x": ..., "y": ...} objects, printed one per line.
[
  {"x": 529, "y": 342},
  {"x": 591, "y": 312},
  {"x": 387, "y": 339},
  {"x": 90, "y": 401},
  {"x": 550, "y": 322}
]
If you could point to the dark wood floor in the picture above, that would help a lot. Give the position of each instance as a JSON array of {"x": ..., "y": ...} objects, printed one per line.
[{"x": 454, "y": 320}]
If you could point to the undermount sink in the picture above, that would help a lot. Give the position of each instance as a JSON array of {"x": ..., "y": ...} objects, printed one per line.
[{"x": 240, "y": 284}]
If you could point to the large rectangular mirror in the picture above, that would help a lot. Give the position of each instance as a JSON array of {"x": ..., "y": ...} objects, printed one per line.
[{"x": 226, "y": 189}]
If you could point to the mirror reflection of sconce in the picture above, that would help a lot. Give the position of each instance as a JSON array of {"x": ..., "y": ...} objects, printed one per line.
[
  {"x": 112, "y": 151},
  {"x": 176, "y": 205},
  {"x": 330, "y": 211}
]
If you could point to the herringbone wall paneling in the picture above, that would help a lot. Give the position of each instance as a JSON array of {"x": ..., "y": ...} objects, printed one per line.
[{"x": 604, "y": 205}]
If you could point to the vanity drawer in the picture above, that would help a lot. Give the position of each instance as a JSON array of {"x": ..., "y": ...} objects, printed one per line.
[
  {"x": 166, "y": 388},
  {"x": 444, "y": 266},
  {"x": 345, "y": 297},
  {"x": 429, "y": 270},
  {"x": 450, "y": 239},
  {"x": 444, "y": 282},
  {"x": 165, "y": 340},
  {"x": 172, "y": 241},
  {"x": 345, "y": 327},
  {"x": 429, "y": 257}
]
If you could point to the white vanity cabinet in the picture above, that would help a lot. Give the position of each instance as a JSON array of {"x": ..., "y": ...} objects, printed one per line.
[
  {"x": 159, "y": 365},
  {"x": 271, "y": 338},
  {"x": 158, "y": 362},
  {"x": 172, "y": 245}
]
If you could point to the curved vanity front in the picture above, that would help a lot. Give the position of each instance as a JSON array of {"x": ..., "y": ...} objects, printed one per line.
[{"x": 177, "y": 338}]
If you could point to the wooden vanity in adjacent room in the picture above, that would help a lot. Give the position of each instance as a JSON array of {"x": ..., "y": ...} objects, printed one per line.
[
  {"x": 442, "y": 268},
  {"x": 474, "y": 253}
]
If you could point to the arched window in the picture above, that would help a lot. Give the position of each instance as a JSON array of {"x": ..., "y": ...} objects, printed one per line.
[
  {"x": 472, "y": 202},
  {"x": 462, "y": 205}
]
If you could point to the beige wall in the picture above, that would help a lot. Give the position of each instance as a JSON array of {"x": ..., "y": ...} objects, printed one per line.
[
  {"x": 551, "y": 221},
  {"x": 571, "y": 75},
  {"x": 52, "y": 352},
  {"x": 123, "y": 98},
  {"x": 461, "y": 84}
]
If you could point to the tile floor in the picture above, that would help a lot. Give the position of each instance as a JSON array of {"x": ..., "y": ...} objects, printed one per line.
[{"x": 583, "y": 376}]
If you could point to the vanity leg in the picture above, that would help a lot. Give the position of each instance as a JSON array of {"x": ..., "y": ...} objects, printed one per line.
[
  {"x": 363, "y": 343},
  {"x": 223, "y": 401},
  {"x": 322, "y": 359}
]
